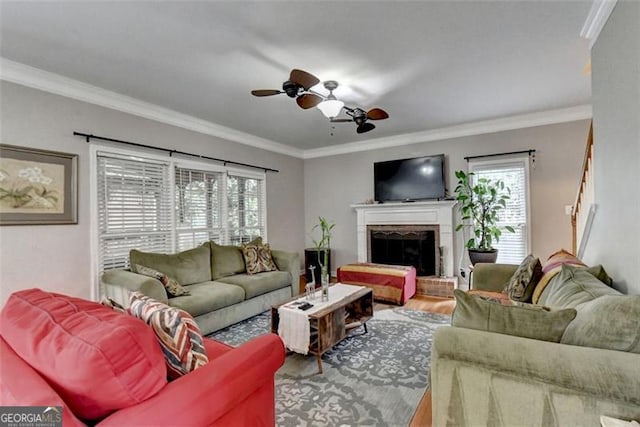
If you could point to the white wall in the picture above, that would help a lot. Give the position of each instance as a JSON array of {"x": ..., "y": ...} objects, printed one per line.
[
  {"x": 615, "y": 65},
  {"x": 333, "y": 183},
  {"x": 58, "y": 257}
]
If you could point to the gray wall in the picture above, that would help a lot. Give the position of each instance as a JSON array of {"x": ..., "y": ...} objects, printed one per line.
[
  {"x": 58, "y": 257},
  {"x": 333, "y": 183},
  {"x": 615, "y": 60}
]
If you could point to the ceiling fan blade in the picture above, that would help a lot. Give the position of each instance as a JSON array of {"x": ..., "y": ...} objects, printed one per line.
[
  {"x": 308, "y": 100},
  {"x": 265, "y": 92},
  {"x": 303, "y": 79},
  {"x": 377, "y": 114},
  {"x": 365, "y": 127},
  {"x": 340, "y": 120}
]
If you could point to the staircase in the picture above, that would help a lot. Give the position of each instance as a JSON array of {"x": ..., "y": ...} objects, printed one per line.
[{"x": 584, "y": 207}]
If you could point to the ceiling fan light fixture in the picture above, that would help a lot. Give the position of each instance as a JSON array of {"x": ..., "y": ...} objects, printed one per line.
[
  {"x": 299, "y": 86},
  {"x": 331, "y": 107}
]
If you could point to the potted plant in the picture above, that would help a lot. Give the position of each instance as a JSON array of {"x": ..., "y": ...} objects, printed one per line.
[
  {"x": 480, "y": 201},
  {"x": 322, "y": 246}
]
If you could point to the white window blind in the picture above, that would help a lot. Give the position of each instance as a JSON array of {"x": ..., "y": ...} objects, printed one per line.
[
  {"x": 246, "y": 209},
  {"x": 198, "y": 197},
  {"x": 169, "y": 206},
  {"x": 512, "y": 247},
  {"x": 134, "y": 208}
]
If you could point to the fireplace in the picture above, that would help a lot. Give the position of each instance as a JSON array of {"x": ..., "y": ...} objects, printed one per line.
[
  {"x": 416, "y": 245},
  {"x": 433, "y": 218}
]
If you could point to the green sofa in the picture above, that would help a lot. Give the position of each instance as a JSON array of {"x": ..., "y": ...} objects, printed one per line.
[
  {"x": 482, "y": 378},
  {"x": 221, "y": 293}
]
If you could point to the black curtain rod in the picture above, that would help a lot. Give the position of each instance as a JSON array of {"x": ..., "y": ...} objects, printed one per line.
[
  {"x": 529, "y": 152},
  {"x": 89, "y": 137}
]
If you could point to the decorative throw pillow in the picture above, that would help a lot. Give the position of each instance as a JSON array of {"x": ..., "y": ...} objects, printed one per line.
[
  {"x": 497, "y": 297},
  {"x": 172, "y": 286},
  {"x": 601, "y": 274},
  {"x": 524, "y": 279},
  {"x": 609, "y": 321},
  {"x": 176, "y": 331},
  {"x": 258, "y": 258},
  {"x": 228, "y": 260},
  {"x": 108, "y": 302},
  {"x": 97, "y": 361},
  {"x": 572, "y": 287},
  {"x": 551, "y": 268},
  {"x": 518, "y": 319}
]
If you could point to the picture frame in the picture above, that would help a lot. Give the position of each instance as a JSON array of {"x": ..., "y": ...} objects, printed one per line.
[{"x": 37, "y": 187}]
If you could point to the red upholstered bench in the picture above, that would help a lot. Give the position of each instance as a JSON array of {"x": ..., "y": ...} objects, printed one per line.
[{"x": 390, "y": 283}]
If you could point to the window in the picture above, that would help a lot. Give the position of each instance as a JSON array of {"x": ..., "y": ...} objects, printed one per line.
[
  {"x": 246, "y": 213},
  {"x": 171, "y": 205},
  {"x": 512, "y": 247},
  {"x": 198, "y": 207},
  {"x": 134, "y": 209}
]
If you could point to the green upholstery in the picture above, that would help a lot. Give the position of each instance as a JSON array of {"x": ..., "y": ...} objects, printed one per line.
[
  {"x": 482, "y": 378},
  {"x": 601, "y": 274},
  {"x": 492, "y": 277},
  {"x": 572, "y": 287},
  {"x": 213, "y": 304},
  {"x": 226, "y": 261},
  {"x": 258, "y": 284},
  {"x": 611, "y": 321},
  {"x": 187, "y": 267},
  {"x": 288, "y": 261},
  {"x": 486, "y": 379},
  {"x": 208, "y": 296},
  {"x": 116, "y": 284},
  {"x": 223, "y": 317},
  {"x": 523, "y": 320}
]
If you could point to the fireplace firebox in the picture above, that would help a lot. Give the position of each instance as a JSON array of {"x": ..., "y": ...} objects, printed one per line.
[{"x": 416, "y": 245}]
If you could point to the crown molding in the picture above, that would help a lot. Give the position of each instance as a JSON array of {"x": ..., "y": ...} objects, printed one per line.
[
  {"x": 36, "y": 78},
  {"x": 563, "y": 115},
  {"x": 598, "y": 16},
  {"x": 25, "y": 75}
]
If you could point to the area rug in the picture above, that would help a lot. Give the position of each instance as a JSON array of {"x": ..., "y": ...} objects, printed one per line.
[{"x": 373, "y": 379}]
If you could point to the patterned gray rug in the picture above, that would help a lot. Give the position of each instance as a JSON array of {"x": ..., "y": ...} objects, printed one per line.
[{"x": 373, "y": 379}]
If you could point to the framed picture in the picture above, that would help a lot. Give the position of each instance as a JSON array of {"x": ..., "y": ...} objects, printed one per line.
[{"x": 37, "y": 187}]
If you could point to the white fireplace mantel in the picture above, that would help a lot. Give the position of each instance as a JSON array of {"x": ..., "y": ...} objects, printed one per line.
[{"x": 417, "y": 213}]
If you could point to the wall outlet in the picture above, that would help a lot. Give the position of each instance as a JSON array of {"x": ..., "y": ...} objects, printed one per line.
[{"x": 568, "y": 209}]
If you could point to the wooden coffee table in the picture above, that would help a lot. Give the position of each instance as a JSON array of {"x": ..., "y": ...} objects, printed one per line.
[{"x": 330, "y": 325}]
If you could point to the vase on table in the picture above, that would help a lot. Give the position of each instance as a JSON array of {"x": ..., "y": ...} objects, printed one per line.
[{"x": 324, "y": 288}]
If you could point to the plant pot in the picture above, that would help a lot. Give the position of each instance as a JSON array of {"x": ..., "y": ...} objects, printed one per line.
[{"x": 489, "y": 256}]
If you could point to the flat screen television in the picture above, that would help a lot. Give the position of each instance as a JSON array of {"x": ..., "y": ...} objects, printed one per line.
[{"x": 420, "y": 178}]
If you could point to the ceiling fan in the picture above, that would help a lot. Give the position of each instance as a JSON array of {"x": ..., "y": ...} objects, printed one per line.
[
  {"x": 361, "y": 117},
  {"x": 299, "y": 86}
]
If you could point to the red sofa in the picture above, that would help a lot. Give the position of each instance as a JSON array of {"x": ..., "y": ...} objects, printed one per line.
[{"x": 105, "y": 368}]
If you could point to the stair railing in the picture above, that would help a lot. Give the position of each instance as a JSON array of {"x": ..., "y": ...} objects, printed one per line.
[{"x": 584, "y": 207}]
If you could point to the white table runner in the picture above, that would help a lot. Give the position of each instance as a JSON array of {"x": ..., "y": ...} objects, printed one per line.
[{"x": 294, "y": 328}]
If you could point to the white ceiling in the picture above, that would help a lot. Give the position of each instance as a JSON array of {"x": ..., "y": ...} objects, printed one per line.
[{"x": 429, "y": 64}]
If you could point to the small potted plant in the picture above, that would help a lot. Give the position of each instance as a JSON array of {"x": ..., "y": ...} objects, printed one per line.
[
  {"x": 480, "y": 201},
  {"x": 323, "y": 245}
]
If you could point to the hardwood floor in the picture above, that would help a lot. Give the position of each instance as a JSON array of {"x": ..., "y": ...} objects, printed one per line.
[{"x": 422, "y": 416}]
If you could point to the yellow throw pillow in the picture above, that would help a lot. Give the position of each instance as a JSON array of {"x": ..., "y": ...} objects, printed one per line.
[{"x": 551, "y": 268}]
